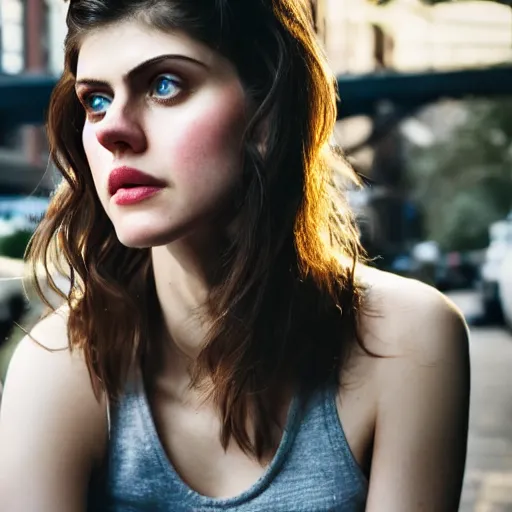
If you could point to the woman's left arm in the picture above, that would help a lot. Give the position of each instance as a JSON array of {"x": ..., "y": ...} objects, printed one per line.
[{"x": 423, "y": 407}]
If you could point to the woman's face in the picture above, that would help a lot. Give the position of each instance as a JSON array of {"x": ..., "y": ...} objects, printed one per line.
[{"x": 163, "y": 134}]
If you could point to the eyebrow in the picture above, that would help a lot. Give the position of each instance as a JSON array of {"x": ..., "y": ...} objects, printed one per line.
[{"x": 142, "y": 67}]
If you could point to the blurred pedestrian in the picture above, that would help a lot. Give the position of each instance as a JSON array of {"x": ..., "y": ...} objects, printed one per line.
[{"x": 224, "y": 346}]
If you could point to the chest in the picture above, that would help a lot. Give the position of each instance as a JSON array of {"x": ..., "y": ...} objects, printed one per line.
[
  {"x": 165, "y": 457},
  {"x": 190, "y": 438}
]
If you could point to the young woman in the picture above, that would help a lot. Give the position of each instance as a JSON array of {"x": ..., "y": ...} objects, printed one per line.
[{"x": 222, "y": 346}]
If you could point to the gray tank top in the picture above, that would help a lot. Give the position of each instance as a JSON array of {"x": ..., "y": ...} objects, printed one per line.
[{"x": 313, "y": 469}]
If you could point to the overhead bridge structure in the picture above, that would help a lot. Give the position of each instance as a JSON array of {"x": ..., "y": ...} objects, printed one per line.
[{"x": 24, "y": 100}]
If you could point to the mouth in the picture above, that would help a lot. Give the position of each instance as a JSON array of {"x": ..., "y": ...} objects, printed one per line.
[{"x": 129, "y": 178}]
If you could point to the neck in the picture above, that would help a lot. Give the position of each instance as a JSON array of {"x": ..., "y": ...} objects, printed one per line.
[{"x": 185, "y": 272}]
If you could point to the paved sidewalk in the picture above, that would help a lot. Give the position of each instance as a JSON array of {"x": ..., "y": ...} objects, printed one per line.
[{"x": 488, "y": 481}]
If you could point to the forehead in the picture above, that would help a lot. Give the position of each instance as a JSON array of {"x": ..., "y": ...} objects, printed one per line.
[{"x": 117, "y": 48}]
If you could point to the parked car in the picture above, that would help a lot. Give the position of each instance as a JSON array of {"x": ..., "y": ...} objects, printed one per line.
[
  {"x": 505, "y": 286},
  {"x": 19, "y": 216},
  {"x": 457, "y": 270},
  {"x": 500, "y": 236}
]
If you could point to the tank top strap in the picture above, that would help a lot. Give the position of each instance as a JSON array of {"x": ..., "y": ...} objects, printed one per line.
[{"x": 336, "y": 432}]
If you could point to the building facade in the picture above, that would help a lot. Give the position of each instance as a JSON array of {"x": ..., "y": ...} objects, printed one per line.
[
  {"x": 31, "y": 42},
  {"x": 407, "y": 36}
]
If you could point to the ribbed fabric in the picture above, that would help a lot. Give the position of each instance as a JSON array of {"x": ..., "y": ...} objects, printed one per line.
[{"x": 312, "y": 471}]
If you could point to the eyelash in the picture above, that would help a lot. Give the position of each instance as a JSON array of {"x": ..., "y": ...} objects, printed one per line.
[{"x": 179, "y": 84}]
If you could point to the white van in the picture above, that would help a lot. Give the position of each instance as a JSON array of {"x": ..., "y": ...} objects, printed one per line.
[
  {"x": 500, "y": 237},
  {"x": 505, "y": 286}
]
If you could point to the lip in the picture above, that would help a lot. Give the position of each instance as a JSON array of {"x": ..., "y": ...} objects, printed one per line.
[{"x": 128, "y": 178}]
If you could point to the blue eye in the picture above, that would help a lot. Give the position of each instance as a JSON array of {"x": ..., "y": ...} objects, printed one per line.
[
  {"x": 97, "y": 104},
  {"x": 165, "y": 87}
]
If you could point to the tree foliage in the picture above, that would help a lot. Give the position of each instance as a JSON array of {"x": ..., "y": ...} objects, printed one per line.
[
  {"x": 14, "y": 246},
  {"x": 464, "y": 182}
]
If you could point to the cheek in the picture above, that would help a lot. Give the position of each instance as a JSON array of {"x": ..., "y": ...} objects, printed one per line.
[
  {"x": 88, "y": 139},
  {"x": 90, "y": 143},
  {"x": 207, "y": 147},
  {"x": 95, "y": 153}
]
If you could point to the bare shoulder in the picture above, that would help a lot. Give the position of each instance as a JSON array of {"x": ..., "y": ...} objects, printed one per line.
[
  {"x": 51, "y": 377},
  {"x": 421, "y": 388},
  {"x": 52, "y": 426},
  {"x": 407, "y": 317},
  {"x": 46, "y": 347}
]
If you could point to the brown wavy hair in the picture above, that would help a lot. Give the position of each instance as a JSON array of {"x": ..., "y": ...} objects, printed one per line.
[{"x": 285, "y": 312}]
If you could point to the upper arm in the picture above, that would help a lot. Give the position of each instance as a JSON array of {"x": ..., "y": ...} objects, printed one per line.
[
  {"x": 422, "y": 417},
  {"x": 52, "y": 428}
]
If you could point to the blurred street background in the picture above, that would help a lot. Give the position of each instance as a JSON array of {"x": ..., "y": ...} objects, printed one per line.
[{"x": 425, "y": 117}]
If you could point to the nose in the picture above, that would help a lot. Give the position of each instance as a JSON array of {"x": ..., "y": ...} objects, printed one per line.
[{"x": 120, "y": 131}]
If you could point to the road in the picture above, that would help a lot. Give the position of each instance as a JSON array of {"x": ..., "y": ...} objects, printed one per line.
[{"x": 488, "y": 480}]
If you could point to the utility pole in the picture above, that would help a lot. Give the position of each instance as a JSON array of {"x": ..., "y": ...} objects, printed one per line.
[
  {"x": 34, "y": 64},
  {"x": 34, "y": 36},
  {"x": 1, "y": 40}
]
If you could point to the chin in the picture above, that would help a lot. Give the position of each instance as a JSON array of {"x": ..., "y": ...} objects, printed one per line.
[
  {"x": 143, "y": 240},
  {"x": 143, "y": 232},
  {"x": 136, "y": 237}
]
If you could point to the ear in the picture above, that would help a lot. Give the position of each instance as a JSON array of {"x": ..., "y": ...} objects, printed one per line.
[{"x": 261, "y": 135}]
